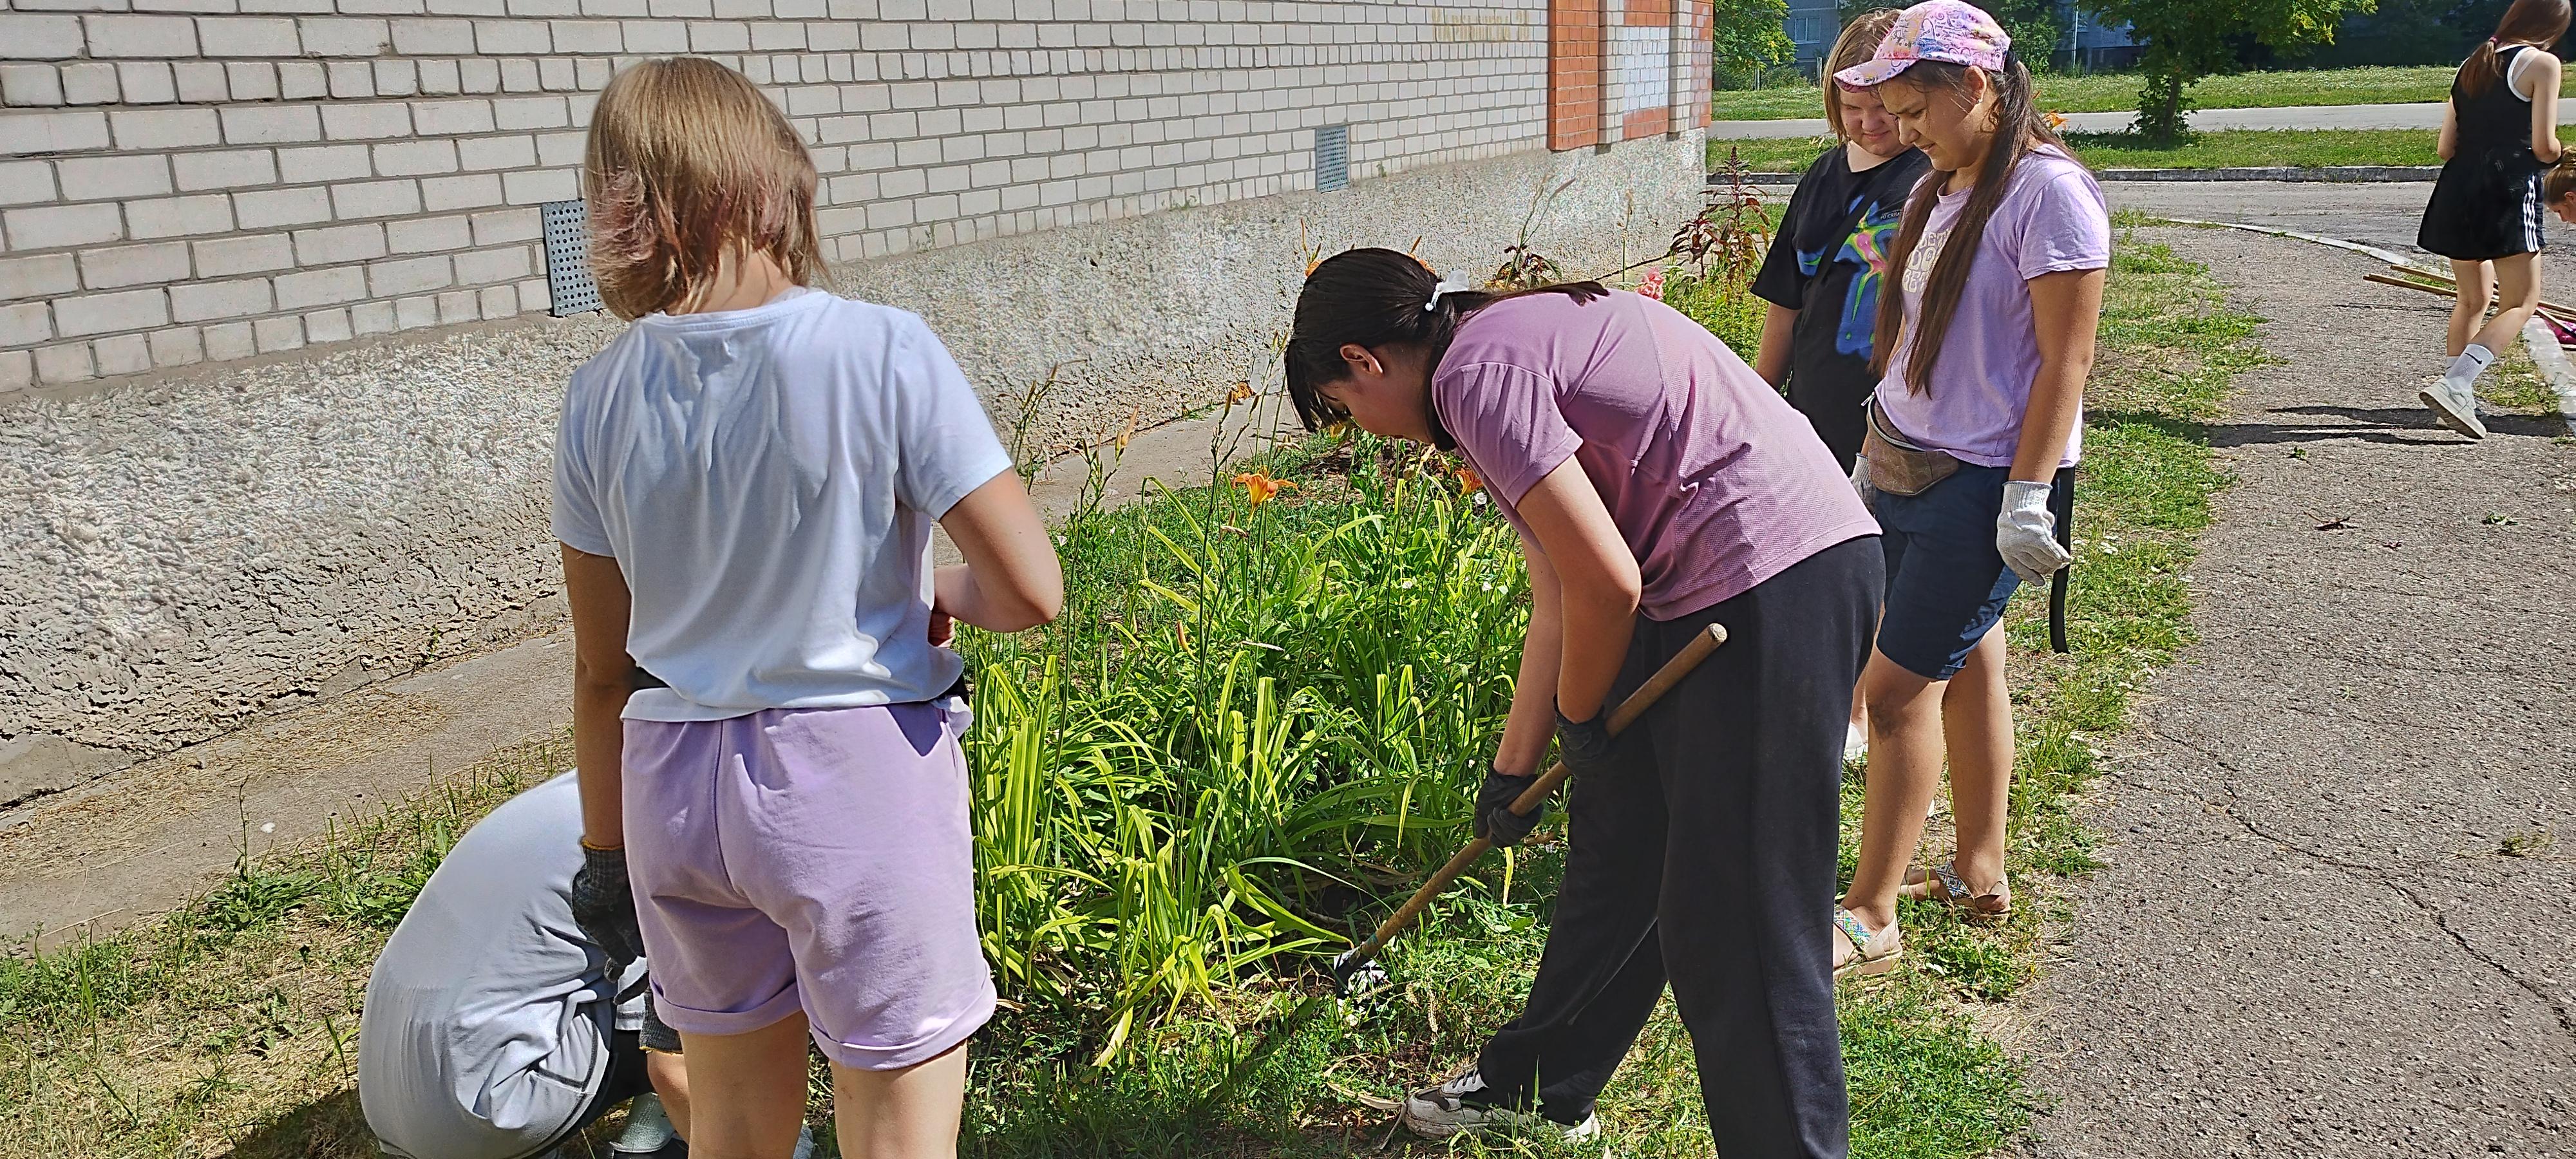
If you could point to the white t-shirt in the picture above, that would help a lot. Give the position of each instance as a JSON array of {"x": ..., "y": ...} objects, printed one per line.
[
  {"x": 485, "y": 1032},
  {"x": 766, "y": 479}
]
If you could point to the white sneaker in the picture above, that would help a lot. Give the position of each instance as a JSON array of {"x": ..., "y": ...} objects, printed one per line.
[
  {"x": 1458, "y": 1105},
  {"x": 2455, "y": 406},
  {"x": 1855, "y": 743}
]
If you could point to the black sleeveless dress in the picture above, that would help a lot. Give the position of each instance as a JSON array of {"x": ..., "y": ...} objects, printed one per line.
[{"x": 2486, "y": 204}]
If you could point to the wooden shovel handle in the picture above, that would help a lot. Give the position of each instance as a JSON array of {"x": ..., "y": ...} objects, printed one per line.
[
  {"x": 1620, "y": 718},
  {"x": 2437, "y": 284}
]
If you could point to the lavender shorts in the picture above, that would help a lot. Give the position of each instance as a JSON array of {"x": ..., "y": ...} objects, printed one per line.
[{"x": 813, "y": 859}]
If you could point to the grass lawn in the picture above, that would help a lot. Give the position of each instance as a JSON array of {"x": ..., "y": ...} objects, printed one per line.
[
  {"x": 2114, "y": 92},
  {"x": 2225, "y": 149},
  {"x": 228, "y": 1027}
]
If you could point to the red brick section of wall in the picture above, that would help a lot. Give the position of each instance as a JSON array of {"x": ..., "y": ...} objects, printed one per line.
[
  {"x": 1648, "y": 122},
  {"x": 1580, "y": 69},
  {"x": 1573, "y": 73}
]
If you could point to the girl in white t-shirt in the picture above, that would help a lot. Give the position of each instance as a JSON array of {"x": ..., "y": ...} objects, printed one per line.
[{"x": 744, "y": 486}]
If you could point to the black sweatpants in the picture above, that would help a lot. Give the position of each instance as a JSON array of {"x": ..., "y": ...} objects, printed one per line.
[{"x": 1706, "y": 858}]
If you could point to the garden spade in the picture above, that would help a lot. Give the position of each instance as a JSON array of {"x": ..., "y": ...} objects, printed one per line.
[{"x": 1356, "y": 971}]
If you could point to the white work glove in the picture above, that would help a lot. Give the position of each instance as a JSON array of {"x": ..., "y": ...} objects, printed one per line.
[
  {"x": 2026, "y": 533},
  {"x": 1860, "y": 482}
]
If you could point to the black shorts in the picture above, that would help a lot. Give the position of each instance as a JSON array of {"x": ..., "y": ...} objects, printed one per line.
[{"x": 2484, "y": 207}]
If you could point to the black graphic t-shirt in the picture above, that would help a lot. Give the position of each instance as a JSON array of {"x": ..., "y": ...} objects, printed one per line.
[{"x": 1836, "y": 293}]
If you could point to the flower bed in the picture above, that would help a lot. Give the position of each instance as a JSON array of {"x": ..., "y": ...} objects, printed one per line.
[{"x": 1263, "y": 707}]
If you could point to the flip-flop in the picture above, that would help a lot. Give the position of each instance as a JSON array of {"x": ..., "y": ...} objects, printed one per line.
[{"x": 1942, "y": 883}]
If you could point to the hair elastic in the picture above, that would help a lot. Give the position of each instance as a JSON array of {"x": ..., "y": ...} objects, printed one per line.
[{"x": 1455, "y": 283}]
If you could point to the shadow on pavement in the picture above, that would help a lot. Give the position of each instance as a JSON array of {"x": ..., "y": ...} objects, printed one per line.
[{"x": 2395, "y": 425}]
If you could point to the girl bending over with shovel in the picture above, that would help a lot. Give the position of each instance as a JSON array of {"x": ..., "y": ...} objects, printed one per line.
[
  {"x": 1985, "y": 336},
  {"x": 1658, "y": 486},
  {"x": 744, "y": 485}
]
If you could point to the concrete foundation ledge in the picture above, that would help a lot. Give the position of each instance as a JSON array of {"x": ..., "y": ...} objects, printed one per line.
[{"x": 202, "y": 549}]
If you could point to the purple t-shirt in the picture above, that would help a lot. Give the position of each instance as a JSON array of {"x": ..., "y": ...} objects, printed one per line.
[
  {"x": 1716, "y": 484},
  {"x": 2052, "y": 218}
]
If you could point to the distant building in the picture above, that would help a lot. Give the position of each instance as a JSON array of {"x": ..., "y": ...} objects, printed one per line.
[
  {"x": 2086, "y": 44},
  {"x": 1813, "y": 24},
  {"x": 2083, "y": 41}
]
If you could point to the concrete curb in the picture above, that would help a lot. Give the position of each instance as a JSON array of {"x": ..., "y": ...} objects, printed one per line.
[
  {"x": 2339, "y": 173},
  {"x": 2347, "y": 173}
]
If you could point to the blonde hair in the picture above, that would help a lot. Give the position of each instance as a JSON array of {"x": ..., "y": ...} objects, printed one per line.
[
  {"x": 2559, "y": 180},
  {"x": 1858, "y": 42},
  {"x": 689, "y": 166}
]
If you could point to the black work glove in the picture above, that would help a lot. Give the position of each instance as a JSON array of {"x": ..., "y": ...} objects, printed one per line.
[
  {"x": 1494, "y": 819},
  {"x": 603, "y": 906},
  {"x": 657, "y": 1035},
  {"x": 1584, "y": 746}
]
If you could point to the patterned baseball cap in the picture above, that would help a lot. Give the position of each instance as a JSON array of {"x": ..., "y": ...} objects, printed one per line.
[{"x": 1945, "y": 30}]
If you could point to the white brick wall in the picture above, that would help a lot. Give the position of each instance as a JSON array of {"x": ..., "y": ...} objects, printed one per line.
[{"x": 207, "y": 179}]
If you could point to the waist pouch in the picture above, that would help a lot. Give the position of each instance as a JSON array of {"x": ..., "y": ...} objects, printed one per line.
[{"x": 1899, "y": 467}]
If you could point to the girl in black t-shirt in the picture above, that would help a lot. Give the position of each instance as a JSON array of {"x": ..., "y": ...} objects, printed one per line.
[{"x": 1821, "y": 277}]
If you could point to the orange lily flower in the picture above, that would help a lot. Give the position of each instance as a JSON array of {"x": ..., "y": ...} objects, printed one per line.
[
  {"x": 1260, "y": 487},
  {"x": 1469, "y": 482}
]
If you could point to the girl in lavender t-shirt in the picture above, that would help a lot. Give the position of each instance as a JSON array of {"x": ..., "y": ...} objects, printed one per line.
[
  {"x": 1985, "y": 337},
  {"x": 1659, "y": 486}
]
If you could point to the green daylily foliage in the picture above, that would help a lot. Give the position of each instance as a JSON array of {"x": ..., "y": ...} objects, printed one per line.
[{"x": 1251, "y": 725}]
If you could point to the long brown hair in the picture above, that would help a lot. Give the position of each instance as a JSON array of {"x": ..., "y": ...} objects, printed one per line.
[
  {"x": 2018, "y": 129},
  {"x": 1376, "y": 298},
  {"x": 2538, "y": 23},
  {"x": 687, "y": 165},
  {"x": 1858, "y": 41}
]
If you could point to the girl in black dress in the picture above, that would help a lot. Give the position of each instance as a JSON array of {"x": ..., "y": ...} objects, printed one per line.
[{"x": 2498, "y": 132}]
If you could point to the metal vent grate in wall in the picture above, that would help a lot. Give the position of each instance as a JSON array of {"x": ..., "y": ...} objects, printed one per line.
[
  {"x": 1332, "y": 158},
  {"x": 568, "y": 279}
]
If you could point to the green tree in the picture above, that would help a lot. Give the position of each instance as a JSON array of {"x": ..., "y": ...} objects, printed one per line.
[
  {"x": 1752, "y": 35},
  {"x": 2182, "y": 41},
  {"x": 2032, "y": 24}
]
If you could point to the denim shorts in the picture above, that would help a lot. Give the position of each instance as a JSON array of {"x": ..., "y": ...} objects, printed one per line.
[{"x": 1946, "y": 583}]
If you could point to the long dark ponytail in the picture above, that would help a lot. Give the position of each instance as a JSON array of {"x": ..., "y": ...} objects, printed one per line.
[
  {"x": 2018, "y": 129},
  {"x": 2538, "y": 23},
  {"x": 1374, "y": 298}
]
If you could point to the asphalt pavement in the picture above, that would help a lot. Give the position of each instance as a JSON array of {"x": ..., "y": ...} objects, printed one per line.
[
  {"x": 2342, "y": 831},
  {"x": 2423, "y": 115}
]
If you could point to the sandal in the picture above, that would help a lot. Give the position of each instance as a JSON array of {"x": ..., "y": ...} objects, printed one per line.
[
  {"x": 1943, "y": 883},
  {"x": 1862, "y": 952}
]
